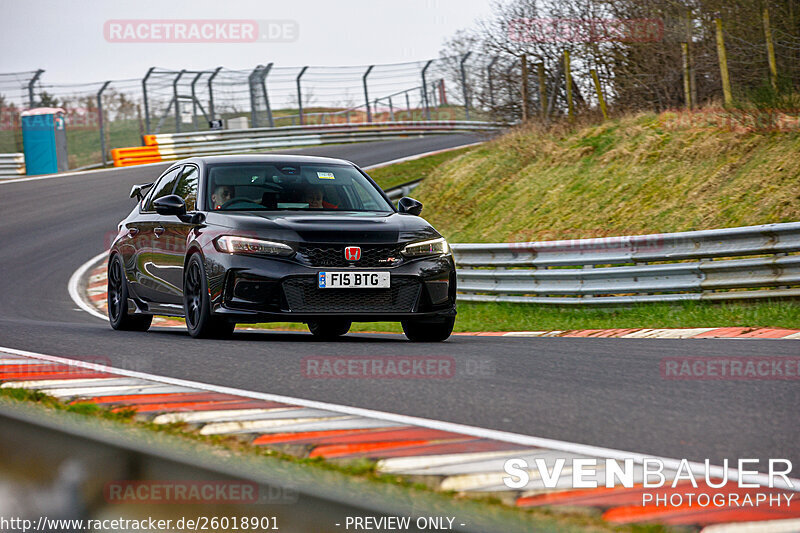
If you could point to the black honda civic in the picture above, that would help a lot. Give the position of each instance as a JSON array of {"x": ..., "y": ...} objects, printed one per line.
[{"x": 243, "y": 239}]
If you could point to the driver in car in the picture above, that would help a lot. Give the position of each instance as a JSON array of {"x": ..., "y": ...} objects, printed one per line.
[
  {"x": 222, "y": 194},
  {"x": 314, "y": 195}
]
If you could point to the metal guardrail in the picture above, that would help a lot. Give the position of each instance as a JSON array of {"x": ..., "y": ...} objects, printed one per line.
[
  {"x": 695, "y": 265},
  {"x": 179, "y": 145},
  {"x": 12, "y": 165}
]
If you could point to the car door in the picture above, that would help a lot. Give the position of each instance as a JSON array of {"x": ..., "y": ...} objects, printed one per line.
[
  {"x": 149, "y": 242},
  {"x": 168, "y": 264}
]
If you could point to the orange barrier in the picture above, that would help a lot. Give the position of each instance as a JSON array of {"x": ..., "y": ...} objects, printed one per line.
[{"x": 135, "y": 155}]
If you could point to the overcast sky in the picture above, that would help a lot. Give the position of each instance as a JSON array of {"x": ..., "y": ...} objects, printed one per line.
[{"x": 66, "y": 38}]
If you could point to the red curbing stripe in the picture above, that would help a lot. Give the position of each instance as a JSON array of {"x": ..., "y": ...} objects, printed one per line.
[
  {"x": 333, "y": 451},
  {"x": 469, "y": 446},
  {"x": 696, "y": 514},
  {"x": 307, "y": 437},
  {"x": 204, "y": 406},
  {"x": 45, "y": 367},
  {"x": 392, "y": 435},
  {"x": 724, "y": 332},
  {"x": 581, "y": 333},
  {"x": 98, "y": 297},
  {"x": 617, "y": 496},
  {"x": 770, "y": 333},
  {"x": 144, "y": 399},
  {"x": 685, "y": 515},
  {"x": 31, "y": 376}
]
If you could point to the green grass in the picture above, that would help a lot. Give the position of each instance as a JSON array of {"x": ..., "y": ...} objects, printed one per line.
[
  {"x": 634, "y": 175},
  {"x": 399, "y": 173},
  {"x": 473, "y": 316}
]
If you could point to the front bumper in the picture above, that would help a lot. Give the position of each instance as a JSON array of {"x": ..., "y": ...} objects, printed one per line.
[{"x": 257, "y": 289}]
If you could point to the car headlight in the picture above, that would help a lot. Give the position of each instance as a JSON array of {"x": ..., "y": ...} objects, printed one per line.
[
  {"x": 231, "y": 244},
  {"x": 431, "y": 247}
]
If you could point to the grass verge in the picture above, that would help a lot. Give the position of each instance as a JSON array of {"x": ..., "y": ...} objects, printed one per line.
[
  {"x": 473, "y": 316},
  {"x": 399, "y": 173}
]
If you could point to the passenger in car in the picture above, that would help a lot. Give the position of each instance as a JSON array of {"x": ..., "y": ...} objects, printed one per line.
[{"x": 222, "y": 194}]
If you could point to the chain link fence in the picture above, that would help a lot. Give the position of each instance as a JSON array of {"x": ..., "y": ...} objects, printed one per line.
[{"x": 117, "y": 113}]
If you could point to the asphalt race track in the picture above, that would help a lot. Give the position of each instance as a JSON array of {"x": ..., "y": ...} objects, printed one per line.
[{"x": 604, "y": 392}]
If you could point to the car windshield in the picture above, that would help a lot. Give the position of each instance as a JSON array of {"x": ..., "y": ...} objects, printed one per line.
[{"x": 291, "y": 186}]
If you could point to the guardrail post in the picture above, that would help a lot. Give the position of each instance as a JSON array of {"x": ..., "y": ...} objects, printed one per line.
[
  {"x": 366, "y": 93},
  {"x": 194, "y": 100},
  {"x": 211, "y": 111},
  {"x": 464, "y": 88},
  {"x": 100, "y": 122},
  {"x": 425, "y": 90},
  {"x": 146, "y": 103},
  {"x": 30, "y": 87},
  {"x": 300, "y": 95},
  {"x": 267, "y": 69},
  {"x": 489, "y": 80},
  {"x": 177, "y": 101}
]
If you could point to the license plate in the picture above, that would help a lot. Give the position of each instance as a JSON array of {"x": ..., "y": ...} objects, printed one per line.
[{"x": 353, "y": 280}]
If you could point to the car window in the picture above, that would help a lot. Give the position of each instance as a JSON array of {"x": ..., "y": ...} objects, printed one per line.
[
  {"x": 291, "y": 186},
  {"x": 187, "y": 186},
  {"x": 164, "y": 187}
]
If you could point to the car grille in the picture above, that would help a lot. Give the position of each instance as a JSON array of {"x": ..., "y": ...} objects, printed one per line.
[
  {"x": 303, "y": 296},
  {"x": 372, "y": 256}
]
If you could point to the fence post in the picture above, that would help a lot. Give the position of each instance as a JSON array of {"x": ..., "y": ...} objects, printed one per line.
[
  {"x": 687, "y": 83},
  {"x": 489, "y": 79},
  {"x": 425, "y": 90},
  {"x": 264, "y": 75},
  {"x": 146, "y": 104},
  {"x": 464, "y": 88},
  {"x": 211, "y": 111},
  {"x": 723, "y": 64},
  {"x": 252, "y": 83},
  {"x": 773, "y": 69},
  {"x": 300, "y": 94},
  {"x": 177, "y": 101},
  {"x": 391, "y": 110},
  {"x": 101, "y": 122},
  {"x": 30, "y": 87},
  {"x": 568, "y": 78},
  {"x": 194, "y": 99},
  {"x": 366, "y": 93},
  {"x": 690, "y": 57},
  {"x": 542, "y": 89},
  {"x": 600, "y": 98},
  {"x": 526, "y": 112}
]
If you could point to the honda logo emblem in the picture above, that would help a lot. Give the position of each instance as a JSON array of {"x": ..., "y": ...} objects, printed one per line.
[{"x": 352, "y": 253}]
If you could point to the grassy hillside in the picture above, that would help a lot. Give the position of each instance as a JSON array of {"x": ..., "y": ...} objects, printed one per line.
[{"x": 633, "y": 175}]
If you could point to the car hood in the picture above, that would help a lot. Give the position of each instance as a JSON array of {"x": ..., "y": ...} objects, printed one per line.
[{"x": 344, "y": 227}]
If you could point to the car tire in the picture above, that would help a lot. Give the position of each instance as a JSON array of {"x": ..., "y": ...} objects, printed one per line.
[
  {"x": 419, "y": 331},
  {"x": 197, "y": 305},
  {"x": 118, "y": 315},
  {"x": 329, "y": 329}
]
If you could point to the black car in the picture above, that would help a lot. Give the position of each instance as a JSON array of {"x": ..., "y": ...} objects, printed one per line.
[{"x": 235, "y": 239}]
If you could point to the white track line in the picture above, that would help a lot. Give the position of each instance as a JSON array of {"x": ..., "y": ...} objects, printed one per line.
[
  {"x": 504, "y": 436},
  {"x": 74, "y": 286},
  {"x": 420, "y": 156},
  {"x": 80, "y": 173}
]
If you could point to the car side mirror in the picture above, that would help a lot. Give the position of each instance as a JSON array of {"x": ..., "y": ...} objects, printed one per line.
[
  {"x": 409, "y": 206},
  {"x": 139, "y": 190},
  {"x": 172, "y": 205}
]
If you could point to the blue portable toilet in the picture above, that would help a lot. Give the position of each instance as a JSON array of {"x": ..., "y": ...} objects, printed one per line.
[{"x": 44, "y": 140}]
